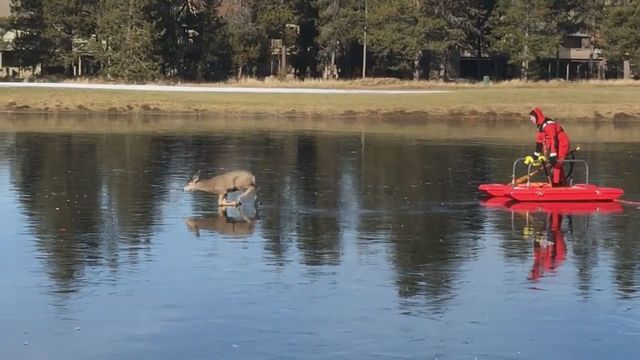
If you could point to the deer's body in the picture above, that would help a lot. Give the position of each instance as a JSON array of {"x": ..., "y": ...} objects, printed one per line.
[{"x": 223, "y": 184}]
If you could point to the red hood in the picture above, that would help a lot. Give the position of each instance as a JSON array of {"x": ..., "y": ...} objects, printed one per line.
[{"x": 538, "y": 114}]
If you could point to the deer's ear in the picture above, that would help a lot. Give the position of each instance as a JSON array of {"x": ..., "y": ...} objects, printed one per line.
[{"x": 196, "y": 177}]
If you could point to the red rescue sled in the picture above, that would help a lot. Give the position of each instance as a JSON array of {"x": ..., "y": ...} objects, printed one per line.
[{"x": 542, "y": 192}]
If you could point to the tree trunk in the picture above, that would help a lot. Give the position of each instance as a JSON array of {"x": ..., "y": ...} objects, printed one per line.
[
  {"x": 525, "y": 57},
  {"x": 557, "y": 64},
  {"x": 364, "y": 42},
  {"x": 479, "y": 58},
  {"x": 592, "y": 41},
  {"x": 591, "y": 63},
  {"x": 627, "y": 70},
  {"x": 334, "y": 72},
  {"x": 283, "y": 62},
  {"x": 416, "y": 66}
]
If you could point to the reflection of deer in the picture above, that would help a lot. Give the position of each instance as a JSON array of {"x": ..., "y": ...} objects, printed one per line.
[
  {"x": 222, "y": 224},
  {"x": 224, "y": 184}
]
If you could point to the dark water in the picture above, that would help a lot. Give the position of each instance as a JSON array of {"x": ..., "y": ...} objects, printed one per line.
[{"x": 358, "y": 247}]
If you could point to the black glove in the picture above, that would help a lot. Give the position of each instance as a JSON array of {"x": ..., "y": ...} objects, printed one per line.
[{"x": 553, "y": 160}]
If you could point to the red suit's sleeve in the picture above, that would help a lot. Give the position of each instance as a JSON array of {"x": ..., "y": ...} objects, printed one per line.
[
  {"x": 551, "y": 133},
  {"x": 539, "y": 143}
]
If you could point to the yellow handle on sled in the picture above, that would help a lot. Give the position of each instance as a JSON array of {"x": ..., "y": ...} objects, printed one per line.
[{"x": 524, "y": 178}]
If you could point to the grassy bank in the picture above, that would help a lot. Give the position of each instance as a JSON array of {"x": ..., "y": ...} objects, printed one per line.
[
  {"x": 386, "y": 83},
  {"x": 569, "y": 102}
]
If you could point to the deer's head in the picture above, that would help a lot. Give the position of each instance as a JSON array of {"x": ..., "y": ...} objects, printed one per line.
[{"x": 191, "y": 184}]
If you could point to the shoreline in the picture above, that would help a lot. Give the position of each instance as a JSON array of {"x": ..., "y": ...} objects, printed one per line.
[
  {"x": 401, "y": 116},
  {"x": 433, "y": 129},
  {"x": 568, "y": 104}
]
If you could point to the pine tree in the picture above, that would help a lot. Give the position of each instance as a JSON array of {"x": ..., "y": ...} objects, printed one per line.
[
  {"x": 126, "y": 40},
  {"x": 340, "y": 24},
  {"x": 403, "y": 29},
  {"x": 244, "y": 35},
  {"x": 449, "y": 28},
  {"x": 212, "y": 53},
  {"x": 305, "y": 58},
  {"x": 67, "y": 24},
  {"x": 168, "y": 46},
  {"x": 622, "y": 33},
  {"x": 397, "y": 34},
  {"x": 276, "y": 19},
  {"x": 32, "y": 47},
  {"x": 480, "y": 36},
  {"x": 590, "y": 19},
  {"x": 525, "y": 30}
]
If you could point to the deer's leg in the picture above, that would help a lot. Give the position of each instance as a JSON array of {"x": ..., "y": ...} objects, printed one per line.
[
  {"x": 249, "y": 189},
  {"x": 222, "y": 201}
]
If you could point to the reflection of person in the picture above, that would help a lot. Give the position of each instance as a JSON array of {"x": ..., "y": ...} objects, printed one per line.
[
  {"x": 549, "y": 251},
  {"x": 553, "y": 141}
]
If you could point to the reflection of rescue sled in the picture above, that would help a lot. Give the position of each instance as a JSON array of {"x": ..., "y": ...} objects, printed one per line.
[
  {"x": 543, "y": 223},
  {"x": 522, "y": 189},
  {"x": 562, "y": 207}
]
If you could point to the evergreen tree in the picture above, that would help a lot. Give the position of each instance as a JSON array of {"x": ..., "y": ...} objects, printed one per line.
[
  {"x": 276, "y": 19},
  {"x": 212, "y": 39},
  {"x": 404, "y": 29},
  {"x": 27, "y": 19},
  {"x": 397, "y": 34},
  {"x": 451, "y": 27},
  {"x": 305, "y": 58},
  {"x": 127, "y": 39},
  {"x": 211, "y": 53},
  {"x": 591, "y": 20},
  {"x": 340, "y": 24},
  {"x": 622, "y": 33},
  {"x": 525, "y": 30},
  {"x": 479, "y": 38},
  {"x": 244, "y": 35},
  {"x": 68, "y": 24},
  {"x": 169, "y": 44},
  {"x": 186, "y": 29}
]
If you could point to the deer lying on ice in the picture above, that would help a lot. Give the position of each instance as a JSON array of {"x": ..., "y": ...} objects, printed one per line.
[{"x": 224, "y": 184}]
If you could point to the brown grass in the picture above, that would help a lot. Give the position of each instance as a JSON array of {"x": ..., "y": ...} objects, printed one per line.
[
  {"x": 596, "y": 100},
  {"x": 385, "y": 83},
  {"x": 392, "y": 83}
]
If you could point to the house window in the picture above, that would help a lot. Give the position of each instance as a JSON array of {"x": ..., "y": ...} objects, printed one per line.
[{"x": 572, "y": 43}]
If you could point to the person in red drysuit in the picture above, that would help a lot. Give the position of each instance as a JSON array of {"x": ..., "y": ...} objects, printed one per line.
[
  {"x": 550, "y": 251},
  {"x": 553, "y": 141}
]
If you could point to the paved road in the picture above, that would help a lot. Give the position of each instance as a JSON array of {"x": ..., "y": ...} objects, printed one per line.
[{"x": 211, "y": 89}]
